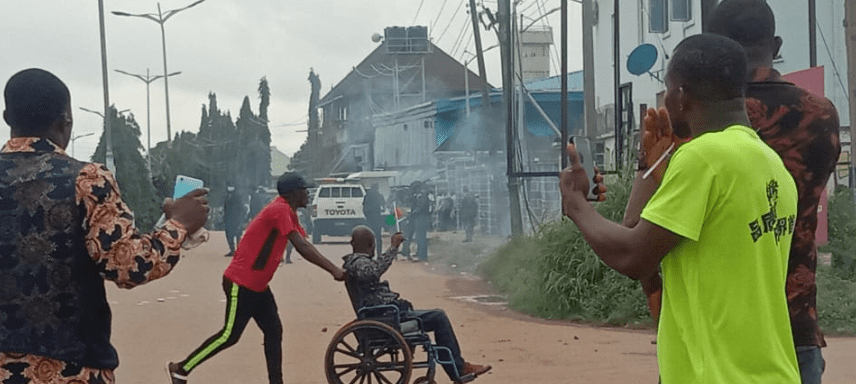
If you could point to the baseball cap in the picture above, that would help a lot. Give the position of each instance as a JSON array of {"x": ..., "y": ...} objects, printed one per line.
[{"x": 290, "y": 181}]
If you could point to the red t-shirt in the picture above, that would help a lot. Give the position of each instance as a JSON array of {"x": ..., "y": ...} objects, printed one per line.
[{"x": 260, "y": 250}]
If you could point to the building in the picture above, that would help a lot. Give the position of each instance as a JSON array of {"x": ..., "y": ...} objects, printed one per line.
[
  {"x": 403, "y": 71},
  {"x": 664, "y": 23}
]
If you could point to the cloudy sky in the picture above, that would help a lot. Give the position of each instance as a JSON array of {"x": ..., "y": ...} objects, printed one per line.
[{"x": 226, "y": 46}]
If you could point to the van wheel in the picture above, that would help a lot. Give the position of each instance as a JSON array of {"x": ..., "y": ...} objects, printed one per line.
[{"x": 316, "y": 237}]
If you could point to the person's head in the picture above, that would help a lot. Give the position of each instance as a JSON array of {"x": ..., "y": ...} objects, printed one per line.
[
  {"x": 751, "y": 24},
  {"x": 38, "y": 104},
  {"x": 707, "y": 72},
  {"x": 362, "y": 240},
  {"x": 292, "y": 188}
]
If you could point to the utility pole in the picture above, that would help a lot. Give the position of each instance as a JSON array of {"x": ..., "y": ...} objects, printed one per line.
[
  {"x": 506, "y": 51},
  {"x": 590, "y": 114},
  {"x": 616, "y": 49},
  {"x": 564, "y": 73},
  {"x": 850, "y": 37},
  {"x": 812, "y": 33},
  {"x": 480, "y": 56}
]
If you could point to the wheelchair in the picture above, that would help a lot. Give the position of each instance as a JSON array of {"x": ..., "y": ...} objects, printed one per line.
[{"x": 378, "y": 347}]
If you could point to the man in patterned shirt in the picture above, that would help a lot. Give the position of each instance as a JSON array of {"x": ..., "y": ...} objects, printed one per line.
[
  {"x": 803, "y": 129},
  {"x": 64, "y": 229},
  {"x": 366, "y": 289}
]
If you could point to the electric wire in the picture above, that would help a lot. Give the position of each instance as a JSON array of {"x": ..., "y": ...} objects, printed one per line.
[
  {"x": 831, "y": 59},
  {"x": 417, "y": 12},
  {"x": 438, "y": 15},
  {"x": 451, "y": 21}
]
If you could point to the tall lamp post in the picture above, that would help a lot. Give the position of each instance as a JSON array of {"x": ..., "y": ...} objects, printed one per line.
[
  {"x": 148, "y": 79},
  {"x": 161, "y": 18},
  {"x": 108, "y": 156}
]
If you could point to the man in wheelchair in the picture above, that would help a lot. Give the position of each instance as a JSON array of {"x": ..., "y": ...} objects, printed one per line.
[{"x": 366, "y": 289}]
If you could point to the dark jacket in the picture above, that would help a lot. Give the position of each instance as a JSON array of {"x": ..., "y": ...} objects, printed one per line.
[
  {"x": 52, "y": 298},
  {"x": 363, "y": 281}
]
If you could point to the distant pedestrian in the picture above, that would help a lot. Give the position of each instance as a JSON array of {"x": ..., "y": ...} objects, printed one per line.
[
  {"x": 258, "y": 199},
  {"x": 468, "y": 212},
  {"x": 445, "y": 212},
  {"x": 373, "y": 205},
  {"x": 421, "y": 220},
  {"x": 234, "y": 214}
]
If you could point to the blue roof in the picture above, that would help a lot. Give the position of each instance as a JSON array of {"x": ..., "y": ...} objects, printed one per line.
[{"x": 575, "y": 82}]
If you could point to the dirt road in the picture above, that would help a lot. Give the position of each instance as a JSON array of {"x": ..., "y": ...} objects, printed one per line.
[{"x": 148, "y": 332}]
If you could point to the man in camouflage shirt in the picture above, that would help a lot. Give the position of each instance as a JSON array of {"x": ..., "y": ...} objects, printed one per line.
[{"x": 366, "y": 289}]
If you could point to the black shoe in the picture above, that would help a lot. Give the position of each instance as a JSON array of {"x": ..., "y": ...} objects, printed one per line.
[
  {"x": 176, "y": 376},
  {"x": 230, "y": 254}
]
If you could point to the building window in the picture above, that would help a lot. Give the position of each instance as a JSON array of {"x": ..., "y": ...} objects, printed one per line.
[
  {"x": 682, "y": 10},
  {"x": 658, "y": 16}
]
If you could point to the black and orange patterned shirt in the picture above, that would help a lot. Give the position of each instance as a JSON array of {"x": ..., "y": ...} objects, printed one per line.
[
  {"x": 130, "y": 259},
  {"x": 803, "y": 129}
]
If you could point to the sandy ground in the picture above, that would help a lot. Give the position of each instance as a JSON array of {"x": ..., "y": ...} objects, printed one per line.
[{"x": 148, "y": 332}]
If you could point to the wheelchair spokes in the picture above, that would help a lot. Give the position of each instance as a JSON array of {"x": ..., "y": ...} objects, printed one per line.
[{"x": 368, "y": 352}]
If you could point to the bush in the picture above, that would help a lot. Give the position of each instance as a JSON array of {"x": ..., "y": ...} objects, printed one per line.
[
  {"x": 555, "y": 274},
  {"x": 836, "y": 302},
  {"x": 842, "y": 233}
]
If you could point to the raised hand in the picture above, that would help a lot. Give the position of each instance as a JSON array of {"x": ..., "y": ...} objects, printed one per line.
[
  {"x": 191, "y": 210},
  {"x": 657, "y": 139}
]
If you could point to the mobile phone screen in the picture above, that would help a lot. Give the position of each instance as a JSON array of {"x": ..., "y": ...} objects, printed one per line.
[
  {"x": 583, "y": 147},
  {"x": 185, "y": 184}
]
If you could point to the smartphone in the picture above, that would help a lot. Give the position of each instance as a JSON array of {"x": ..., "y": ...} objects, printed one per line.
[
  {"x": 583, "y": 146},
  {"x": 185, "y": 184}
]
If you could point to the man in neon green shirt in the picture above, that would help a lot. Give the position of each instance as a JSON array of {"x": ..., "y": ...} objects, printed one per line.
[{"x": 720, "y": 223}]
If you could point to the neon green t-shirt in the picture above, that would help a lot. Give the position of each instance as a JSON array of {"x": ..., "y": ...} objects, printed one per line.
[{"x": 724, "y": 317}]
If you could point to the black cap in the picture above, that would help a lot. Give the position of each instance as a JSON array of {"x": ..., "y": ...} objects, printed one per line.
[{"x": 290, "y": 181}]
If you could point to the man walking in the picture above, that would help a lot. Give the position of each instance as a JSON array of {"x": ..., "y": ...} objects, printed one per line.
[
  {"x": 64, "y": 230},
  {"x": 720, "y": 224},
  {"x": 234, "y": 214},
  {"x": 469, "y": 211},
  {"x": 373, "y": 204},
  {"x": 245, "y": 281}
]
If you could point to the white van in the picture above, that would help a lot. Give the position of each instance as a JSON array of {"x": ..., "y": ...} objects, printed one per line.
[{"x": 336, "y": 210}]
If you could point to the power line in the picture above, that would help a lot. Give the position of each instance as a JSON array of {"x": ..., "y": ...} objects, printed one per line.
[
  {"x": 417, "y": 12},
  {"x": 451, "y": 21},
  {"x": 542, "y": 9},
  {"x": 460, "y": 39},
  {"x": 438, "y": 15},
  {"x": 831, "y": 59}
]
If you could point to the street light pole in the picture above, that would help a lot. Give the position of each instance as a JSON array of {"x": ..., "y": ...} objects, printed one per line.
[
  {"x": 161, "y": 18},
  {"x": 148, "y": 79},
  {"x": 108, "y": 157}
]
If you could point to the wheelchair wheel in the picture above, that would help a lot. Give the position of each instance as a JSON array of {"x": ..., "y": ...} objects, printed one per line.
[
  {"x": 424, "y": 380},
  {"x": 368, "y": 351}
]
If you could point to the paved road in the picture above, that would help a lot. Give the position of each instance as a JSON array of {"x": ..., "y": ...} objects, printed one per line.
[{"x": 521, "y": 349}]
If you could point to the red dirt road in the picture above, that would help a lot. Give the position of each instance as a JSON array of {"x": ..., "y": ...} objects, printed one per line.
[{"x": 148, "y": 332}]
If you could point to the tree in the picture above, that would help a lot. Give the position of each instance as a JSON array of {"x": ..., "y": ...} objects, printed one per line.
[
  {"x": 131, "y": 169},
  {"x": 264, "y": 95}
]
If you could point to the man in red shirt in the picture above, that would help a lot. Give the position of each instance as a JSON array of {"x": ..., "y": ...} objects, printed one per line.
[{"x": 246, "y": 279}]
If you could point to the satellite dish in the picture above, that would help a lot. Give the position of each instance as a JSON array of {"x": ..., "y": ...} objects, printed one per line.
[
  {"x": 377, "y": 37},
  {"x": 642, "y": 59}
]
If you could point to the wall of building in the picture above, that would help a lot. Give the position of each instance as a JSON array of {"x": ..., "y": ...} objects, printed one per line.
[{"x": 634, "y": 19}]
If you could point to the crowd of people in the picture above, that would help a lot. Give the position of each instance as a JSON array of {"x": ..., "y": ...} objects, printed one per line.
[{"x": 721, "y": 234}]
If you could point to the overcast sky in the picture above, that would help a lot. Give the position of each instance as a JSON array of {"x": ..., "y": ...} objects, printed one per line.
[{"x": 226, "y": 46}]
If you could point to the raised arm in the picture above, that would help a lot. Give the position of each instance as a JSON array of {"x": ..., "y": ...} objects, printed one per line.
[{"x": 121, "y": 253}]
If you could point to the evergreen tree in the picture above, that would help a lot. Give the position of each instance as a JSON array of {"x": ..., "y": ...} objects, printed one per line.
[
  {"x": 264, "y": 95},
  {"x": 131, "y": 169}
]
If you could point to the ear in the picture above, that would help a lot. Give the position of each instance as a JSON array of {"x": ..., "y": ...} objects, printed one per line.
[
  {"x": 685, "y": 98},
  {"x": 777, "y": 45},
  {"x": 6, "y": 118}
]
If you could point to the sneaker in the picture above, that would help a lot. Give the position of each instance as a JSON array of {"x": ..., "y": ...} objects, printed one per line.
[
  {"x": 475, "y": 369},
  {"x": 230, "y": 254},
  {"x": 174, "y": 372},
  {"x": 414, "y": 259}
]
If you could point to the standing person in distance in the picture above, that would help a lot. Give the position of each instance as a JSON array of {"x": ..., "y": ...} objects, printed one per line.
[
  {"x": 469, "y": 211},
  {"x": 373, "y": 204},
  {"x": 246, "y": 279},
  {"x": 234, "y": 214}
]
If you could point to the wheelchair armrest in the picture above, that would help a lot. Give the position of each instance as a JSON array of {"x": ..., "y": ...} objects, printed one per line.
[{"x": 385, "y": 310}]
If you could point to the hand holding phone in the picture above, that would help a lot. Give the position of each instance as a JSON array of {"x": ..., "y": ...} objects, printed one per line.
[
  {"x": 583, "y": 147},
  {"x": 185, "y": 184}
]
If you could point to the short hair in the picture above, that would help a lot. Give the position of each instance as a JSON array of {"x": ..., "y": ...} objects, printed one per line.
[
  {"x": 35, "y": 99},
  {"x": 711, "y": 67},
  {"x": 748, "y": 22}
]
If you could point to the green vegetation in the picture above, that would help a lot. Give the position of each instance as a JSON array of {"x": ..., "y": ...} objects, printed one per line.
[{"x": 554, "y": 273}]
